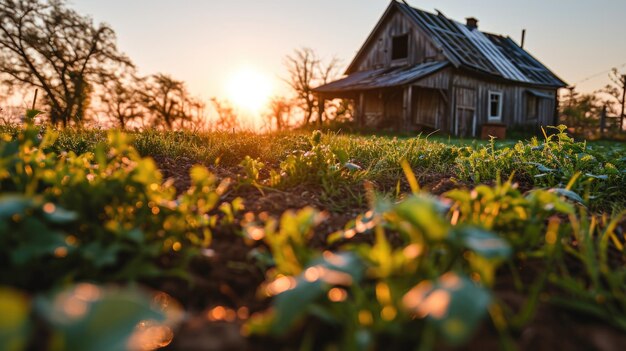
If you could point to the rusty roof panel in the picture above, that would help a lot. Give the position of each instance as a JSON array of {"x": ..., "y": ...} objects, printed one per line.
[
  {"x": 506, "y": 68},
  {"x": 488, "y": 53},
  {"x": 382, "y": 78},
  {"x": 534, "y": 70},
  {"x": 446, "y": 32}
]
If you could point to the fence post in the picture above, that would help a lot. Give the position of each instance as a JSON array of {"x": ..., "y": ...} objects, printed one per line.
[
  {"x": 35, "y": 99},
  {"x": 603, "y": 121},
  {"x": 621, "y": 117}
]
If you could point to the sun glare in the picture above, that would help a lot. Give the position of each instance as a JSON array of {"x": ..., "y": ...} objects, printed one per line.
[{"x": 250, "y": 90}]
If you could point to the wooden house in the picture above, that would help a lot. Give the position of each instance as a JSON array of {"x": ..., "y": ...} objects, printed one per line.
[{"x": 421, "y": 70}]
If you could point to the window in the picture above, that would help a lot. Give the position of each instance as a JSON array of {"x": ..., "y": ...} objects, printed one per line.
[
  {"x": 495, "y": 106},
  {"x": 532, "y": 107},
  {"x": 400, "y": 47}
]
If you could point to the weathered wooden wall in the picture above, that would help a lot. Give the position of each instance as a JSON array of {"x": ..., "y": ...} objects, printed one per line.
[
  {"x": 374, "y": 108},
  {"x": 434, "y": 105},
  {"x": 467, "y": 88},
  {"x": 378, "y": 53},
  {"x": 394, "y": 108},
  {"x": 429, "y": 108},
  {"x": 439, "y": 80}
]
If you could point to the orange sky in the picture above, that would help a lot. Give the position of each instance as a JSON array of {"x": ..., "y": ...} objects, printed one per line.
[{"x": 206, "y": 43}]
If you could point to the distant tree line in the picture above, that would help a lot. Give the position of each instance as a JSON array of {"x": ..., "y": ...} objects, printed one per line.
[
  {"x": 600, "y": 112},
  {"x": 80, "y": 73},
  {"x": 306, "y": 70},
  {"x": 77, "y": 67}
]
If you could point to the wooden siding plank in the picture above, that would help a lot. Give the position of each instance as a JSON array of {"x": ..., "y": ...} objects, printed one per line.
[{"x": 378, "y": 52}]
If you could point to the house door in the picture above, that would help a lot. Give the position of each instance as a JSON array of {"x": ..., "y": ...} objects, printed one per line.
[
  {"x": 465, "y": 101},
  {"x": 466, "y": 122}
]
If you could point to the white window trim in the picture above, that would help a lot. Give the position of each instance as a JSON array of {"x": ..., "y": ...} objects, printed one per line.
[{"x": 499, "y": 116}]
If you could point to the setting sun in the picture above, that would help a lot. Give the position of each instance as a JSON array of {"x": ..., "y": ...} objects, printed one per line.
[{"x": 249, "y": 89}]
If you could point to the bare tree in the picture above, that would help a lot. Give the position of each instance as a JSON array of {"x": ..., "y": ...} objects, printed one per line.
[
  {"x": 227, "y": 118},
  {"x": 165, "y": 99},
  {"x": 121, "y": 100},
  {"x": 306, "y": 71},
  {"x": 280, "y": 111},
  {"x": 45, "y": 45},
  {"x": 340, "y": 110},
  {"x": 196, "y": 110}
]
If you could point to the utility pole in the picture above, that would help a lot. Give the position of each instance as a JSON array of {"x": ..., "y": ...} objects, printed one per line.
[{"x": 621, "y": 120}]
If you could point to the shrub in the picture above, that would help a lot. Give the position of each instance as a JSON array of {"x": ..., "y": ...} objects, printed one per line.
[{"x": 101, "y": 216}]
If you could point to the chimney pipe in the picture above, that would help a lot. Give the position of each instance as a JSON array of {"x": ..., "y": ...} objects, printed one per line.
[
  {"x": 523, "y": 38},
  {"x": 472, "y": 23}
]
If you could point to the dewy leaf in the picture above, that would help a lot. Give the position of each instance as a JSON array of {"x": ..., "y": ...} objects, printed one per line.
[
  {"x": 61, "y": 216},
  {"x": 37, "y": 240},
  {"x": 601, "y": 177},
  {"x": 483, "y": 242},
  {"x": 14, "y": 205},
  {"x": 453, "y": 304},
  {"x": 99, "y": 255},
  {"x": 541, "y": 168},
  {"x": 425, "y": 214},
  {"x": 88, "y": 317},
  {"x": 352, "y": 167},
  {"x": 317, "y": 279},
  {"x": 568, "y": 194}
]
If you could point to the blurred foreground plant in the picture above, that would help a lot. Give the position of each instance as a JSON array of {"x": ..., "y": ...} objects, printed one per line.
[{"x": 102, "y": 216}]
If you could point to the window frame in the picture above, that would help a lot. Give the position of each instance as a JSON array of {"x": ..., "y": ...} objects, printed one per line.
[
  {"x": 393, "y": 39},
  {"x": 490, "y": 117}
]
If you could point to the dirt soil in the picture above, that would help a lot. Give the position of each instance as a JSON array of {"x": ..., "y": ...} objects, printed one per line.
[{"x": 228, "y": 276}]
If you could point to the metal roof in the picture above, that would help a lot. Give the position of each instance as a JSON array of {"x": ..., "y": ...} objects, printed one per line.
[
  {"x": 456, "y": 45},
  {"x": 506, "y": 68},
  {"x": 488, "y": 53},
  {"x": 540, "y": 94},
  {"x": 382, "y": 78},
  {"x": 464, "y": 47},
  {"x": 534, "y": 70}
]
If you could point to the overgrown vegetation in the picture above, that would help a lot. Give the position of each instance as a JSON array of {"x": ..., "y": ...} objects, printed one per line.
[
  {"x": 436, "y": 283},
  {"x": 540, "y": 219},
  {"x": 103, "y": 216}
]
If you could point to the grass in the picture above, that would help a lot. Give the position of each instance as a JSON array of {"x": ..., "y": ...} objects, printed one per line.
[
  {"x": 542, "y": 219},
  {"x": 533, "y": 162}
]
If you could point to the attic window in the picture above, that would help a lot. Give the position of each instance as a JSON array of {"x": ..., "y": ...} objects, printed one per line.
[{"x": 400, "y": 47}]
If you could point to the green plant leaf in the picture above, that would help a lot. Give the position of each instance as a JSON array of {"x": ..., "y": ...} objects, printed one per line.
[
  {"x": 483, "y": 242},
  {"x": 61, "y": 216},
  {"x": 568, "y": 194},
  {"x": 91, "y": 318},
  {"x": 425, "y": 214},
  {"x": 342, "y": 155},
  {"x": 293, "y": 303},
  {"x": 14, "y": 324},
  {"x": 541, "y": 167},
  {"x": 13, "y": 204},
  {"x": 453, "y": 304},
  {"x": 600, "y": 177},
  {"x": 352, "y": 167}
]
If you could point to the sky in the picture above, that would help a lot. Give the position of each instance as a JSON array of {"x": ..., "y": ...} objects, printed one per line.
[{"x": 208, "y": 42}]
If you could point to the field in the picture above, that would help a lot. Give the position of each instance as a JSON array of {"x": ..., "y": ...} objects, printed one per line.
[{"x": 311, "y": 241}]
